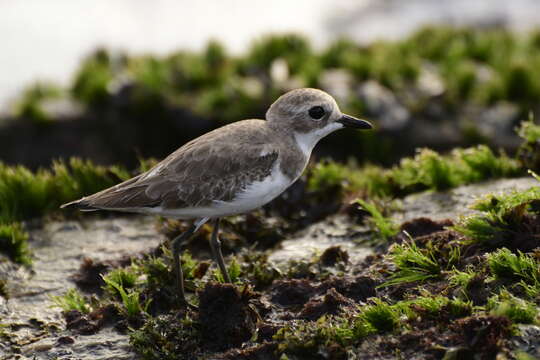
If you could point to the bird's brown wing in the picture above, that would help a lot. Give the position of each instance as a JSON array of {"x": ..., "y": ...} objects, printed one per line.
[{"x": 212, "y": 167}]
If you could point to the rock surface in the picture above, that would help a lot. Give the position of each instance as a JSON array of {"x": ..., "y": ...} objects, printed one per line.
[
  {"x": 334, "y": 231},
  {"x": 58, "y": 249},
  {"x": 455, "y": 202}
]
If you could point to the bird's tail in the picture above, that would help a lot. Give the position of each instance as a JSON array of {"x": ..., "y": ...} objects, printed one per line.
[{"x": 81, "y": 204}]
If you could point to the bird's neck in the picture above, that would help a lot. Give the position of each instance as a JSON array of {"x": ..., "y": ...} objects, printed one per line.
[
  {"x": 299, "y": 147},
  {"x": 307, "y": 141}
]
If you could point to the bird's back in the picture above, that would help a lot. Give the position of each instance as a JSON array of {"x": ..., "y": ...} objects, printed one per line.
[{"x": 209, "y": 169}]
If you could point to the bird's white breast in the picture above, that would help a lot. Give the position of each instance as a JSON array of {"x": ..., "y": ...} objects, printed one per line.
[{"x": 258, "y": 193}]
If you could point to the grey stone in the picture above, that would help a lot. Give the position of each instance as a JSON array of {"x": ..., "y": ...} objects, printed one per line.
[
  {"x": 497, "y": 122},
  {"x": 383, "y": 104},
  {"x": 337, "y": 82}
]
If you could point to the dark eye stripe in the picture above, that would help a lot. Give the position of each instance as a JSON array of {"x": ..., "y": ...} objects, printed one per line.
[{"x": 316, "y": 112}]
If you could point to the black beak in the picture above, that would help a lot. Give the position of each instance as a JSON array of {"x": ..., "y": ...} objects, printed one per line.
[{"x": 352, "y": 122}]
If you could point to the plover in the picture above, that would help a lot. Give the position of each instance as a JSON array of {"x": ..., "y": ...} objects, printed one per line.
[{"x": 231, "y": 170}]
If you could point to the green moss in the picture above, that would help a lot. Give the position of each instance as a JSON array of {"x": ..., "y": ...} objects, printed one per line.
[
  {"x": 461, "y": 80},
  {"x": 504, "y": 264},
  {"x": 133, "y": 306},
  {"x": 462, "y": 279},
  {"x": 501, "y": 215},
  {"x": 25, "y": 194},
  {"x": 384, "y": 226},
  {"x": 336, "y": 54},
  {"x": 294, "y": 49},
  {"x": 516, "y": 309},
  {"x": 529, "y": 150},
  {"x": 93, "y": 79},
  {"x": 215, "y": 55},
  {"x": 126, "y": 277},
  {"x": 14, "y": 243},
  {"x": 381, "y": 316},
  {"x": 481, "y": 163},
  {"x": 499, "y": 206},
  {"x": 159, "y": 277},
  {"x": 72, "y": 300},
  {"x": 167, "y": 337},
  {"x": 189, "y": 265},
  {"x": 307, "y": 338},
  {"x": 412, "y": 263},
  {"x": 234, "y": 270},
  {"x": 30, "y": 104},
  {"x": 257, "y": 270},
  {"x": 435, "y": 306},
  {"x": 431, "y": 305},
  {"x": 529, "y": 131},
  {"x": 374, "y": 181},
  {"x": 326, "y": 175},
  {"x": 78, "y": 178},
  {"x": 428, "y": 170},
  {"x": 522, "y": 355},
  {"x": 229, "y": 102},
  {"x": 520, "y": 85},
  {"x": 151, "y": 77},
  {"x": 378, "y": 317}
]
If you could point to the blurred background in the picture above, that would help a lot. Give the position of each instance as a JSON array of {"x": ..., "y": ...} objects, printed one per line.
[{"x": 118, "y": 81}]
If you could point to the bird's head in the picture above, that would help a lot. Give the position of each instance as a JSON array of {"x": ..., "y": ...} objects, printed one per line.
[{"x": 310, "y": 114}]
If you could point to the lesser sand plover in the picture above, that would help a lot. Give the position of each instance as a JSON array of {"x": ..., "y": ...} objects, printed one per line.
[{"x": 231, "y": 170}]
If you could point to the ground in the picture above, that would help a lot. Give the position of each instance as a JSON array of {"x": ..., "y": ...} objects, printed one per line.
[{"x": 320, "y": 274}]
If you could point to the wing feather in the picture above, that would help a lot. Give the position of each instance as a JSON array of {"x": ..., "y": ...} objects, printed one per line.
[{"x": 213, "y": 167}]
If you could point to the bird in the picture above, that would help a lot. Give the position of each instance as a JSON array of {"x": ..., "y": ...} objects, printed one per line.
[{"x": 231, "y": 170}]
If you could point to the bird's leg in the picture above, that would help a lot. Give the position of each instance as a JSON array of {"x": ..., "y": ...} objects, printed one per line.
[
  {"x": 176, "y": 245},
  {"x": 215, "y": 245}
]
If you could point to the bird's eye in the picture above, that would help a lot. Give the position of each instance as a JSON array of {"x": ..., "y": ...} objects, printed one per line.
[{"x": 316, "y": 112}]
